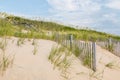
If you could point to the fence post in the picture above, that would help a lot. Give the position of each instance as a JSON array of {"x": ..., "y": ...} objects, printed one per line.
[
  {"x": 94, "y": 56},
  {"x": 71, "y": 40},
  {"x": 110, "y": 42}
]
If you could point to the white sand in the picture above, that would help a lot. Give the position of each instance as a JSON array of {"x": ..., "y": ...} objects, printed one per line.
[{"x": 27, "y": 66}]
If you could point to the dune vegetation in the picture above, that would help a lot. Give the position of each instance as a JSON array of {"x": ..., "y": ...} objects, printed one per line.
[
  {"x": 22, "y": 27},
  {"x": 30, "y": 46}
]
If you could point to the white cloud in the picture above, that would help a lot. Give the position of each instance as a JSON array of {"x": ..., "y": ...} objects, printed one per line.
[
  {"x": 63, "y": 5},
  {"x": 74, "y": 5},
  {"x": 111, "y": 17},
  {"x": 77, "y": 12},
  {"x": 114, "y": 4}
]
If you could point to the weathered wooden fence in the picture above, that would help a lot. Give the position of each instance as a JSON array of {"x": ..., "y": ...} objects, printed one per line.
[
  {"x": 85, "y": 51},
  {"x": 111, "y": 45}
]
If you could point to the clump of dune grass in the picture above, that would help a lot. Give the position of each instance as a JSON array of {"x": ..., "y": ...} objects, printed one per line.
[
  {"x": 87, "y": 61},
  {"x": 83, "y": 54},
  {"x": 5, "y": 61},
  {"x": 60, "y": 57},
  {"x": 3, "y": 44},
  {"x": 35, "y": 50},
  {"x": 113, "y": 65},
  {"x": 77, "y": 51},
  {"x": 87, "y": 58},
  {"x": 34, "y": 43},
  {"x": 20, "y": 41},
  {"x": 110, "y": 65},
  {"x": 110, "y": 47}
]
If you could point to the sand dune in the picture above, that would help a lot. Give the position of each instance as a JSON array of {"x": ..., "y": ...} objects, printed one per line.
[{"x": 27, "y": 66}]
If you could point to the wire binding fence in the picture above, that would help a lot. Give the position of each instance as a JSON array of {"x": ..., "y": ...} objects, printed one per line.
[
  {"x": 85, "y": 51},
  {"x": 111, "y": 45}
]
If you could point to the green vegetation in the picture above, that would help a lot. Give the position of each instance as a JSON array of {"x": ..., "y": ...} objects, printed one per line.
[
  {"x": 110, "y": 47},
  {"x": 87, "y": 61},
  {"x": 60, "y": 57},
  {"x": 77, "y": 51},
  {"x": 14, "y": 26},
  {"x": 5, "y": 61},
  {"x": 34, "y": 43},
  {"x": 3, "y": 44},
  {"x": 6, "y": 29},
  {"x": 84, "y": 54},
  {"x": 110, "y": 65},
  {"x": 26, "y": 28},
  {"x": 20, "y": 41},
  {"x": 113, "y": 65},
  {"x": 35, "y": 50}
]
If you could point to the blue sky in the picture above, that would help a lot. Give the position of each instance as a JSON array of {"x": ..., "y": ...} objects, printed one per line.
[{"x": 102, "y": 15}]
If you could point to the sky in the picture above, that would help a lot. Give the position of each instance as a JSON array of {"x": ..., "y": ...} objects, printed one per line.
[{"x": 102, "y": 15}]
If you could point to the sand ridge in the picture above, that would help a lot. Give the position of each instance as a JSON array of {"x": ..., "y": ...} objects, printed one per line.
[{"x": 27, "y": 66}]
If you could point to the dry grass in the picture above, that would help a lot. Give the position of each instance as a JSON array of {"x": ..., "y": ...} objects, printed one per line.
[
  {"x": 35, "y": 50},
  {"x": 20, "y": 41},
  {"x": 97, "y": 75},
  {"x": 5, "y": 61},
  {"x": 60, "y": 57},
  {"x": 113, "y": 65}
]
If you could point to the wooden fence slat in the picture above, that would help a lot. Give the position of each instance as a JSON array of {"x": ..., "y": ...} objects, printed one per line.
[
  {"x": 111, "y": 45},
  {"x": 86, "y": 49},
  {"x": 94, "y": 55}
]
